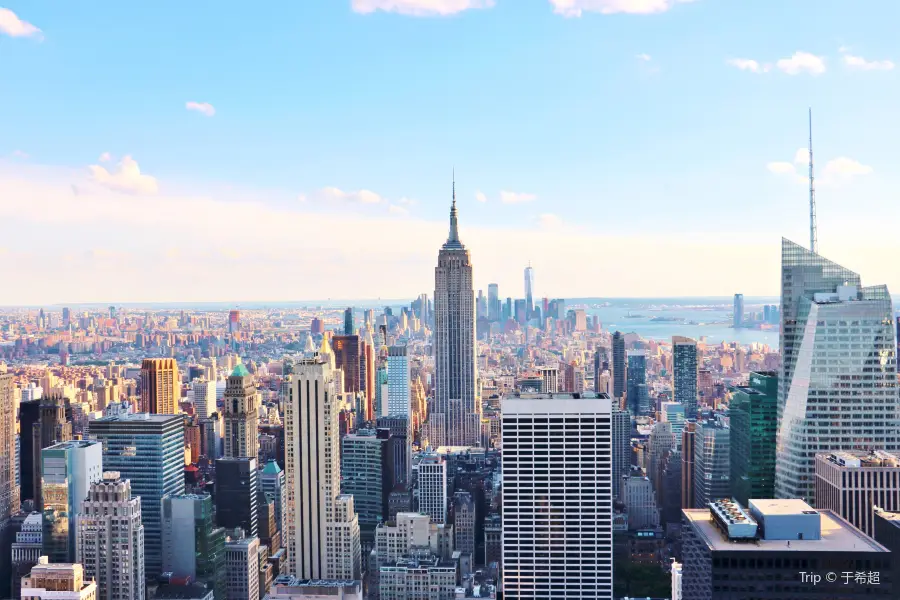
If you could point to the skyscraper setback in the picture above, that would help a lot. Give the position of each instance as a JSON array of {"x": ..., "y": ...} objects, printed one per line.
[{"x": 455, "y": 403}]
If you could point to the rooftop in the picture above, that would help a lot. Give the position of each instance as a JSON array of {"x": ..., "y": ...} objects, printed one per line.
[
  {"x": 240, "y": 371},
  {"x": 837, "y": 534},
  {"x": 862, "y": 459}
]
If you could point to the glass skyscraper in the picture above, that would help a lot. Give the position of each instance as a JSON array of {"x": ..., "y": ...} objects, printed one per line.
[
  {"x": 684, "y": 354},
  {"x": 618, "y": 352},
  {"x": 837, "y": 389},
  {"x": 637, "y": 394},
  {"x": 753, "y": 416},
  {"x": 148, "y": 450}
]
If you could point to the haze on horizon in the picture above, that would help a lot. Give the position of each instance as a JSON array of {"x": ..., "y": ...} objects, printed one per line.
[{"x": 168, "y": 152}]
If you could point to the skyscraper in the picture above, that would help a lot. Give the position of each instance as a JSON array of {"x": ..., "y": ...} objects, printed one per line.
[
  {"x": 160, "y": 386},
  {"x": 712, "y": 464},
  {"x": 688, "y": 445},
  {"x": 241, "y": 415},
  {"x": 272, "y": 482},
  {"x": 148, "y": 450},
  {"x": 367, "y": 475},
  {"x": 454, "y": 341},
  {"x": 237, "y": 484},
  {"x": 348, "y": 321},
  {"x": 432, "y": 487},
  {"x": 684, "y": 355},
  {"x": 242, "y": 568},
  {"x": 192, "y": 543},
  {"x": 51, "y": 427},
  {"x": 348, "y": 357},
  {"x": 621, "y": 447},
  {"x": 322, "y": 536},
  {"x": 837, "y": 389},
  {"x": 637, "y": 393},
  {"x": 9, "y": 491},
  {"x": 738, "y": 310},
  {"x": 111, "y": 539},
  {"x": 575, "y": 561},
  {"x": 529, "y": 291},
  {"x": 398, "y": 382},
  {"x": 853, "y": 484},
  {"x": 204, "y": 397},
  {"x": 753, "y": 418},
  {"x": 494, "y": 308},
  {"x": 618, "y": 351}
]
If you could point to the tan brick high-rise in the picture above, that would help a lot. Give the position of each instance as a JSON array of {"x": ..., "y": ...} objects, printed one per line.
[{"x": 160, "y": 386}]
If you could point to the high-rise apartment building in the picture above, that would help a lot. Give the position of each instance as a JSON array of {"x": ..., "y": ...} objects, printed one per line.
[
  {"x": 68, "y": 470},
  {"x": 148, "y": 451},
  {"x": 455, "y": 371},
  {"x": 837, "y": 389},
  {"x": 50, "y": 428},
  {"x": 853, "y": 483},
  {"x": 241, "y": 415},
  {"x": 753, "y": 418},
  {"x": 568, "y": 492},
  {"x": 160, "y": 386},
  {"x": 193, "y": 545},
  {"x": 242, "y": 569},
  {"x": 712, "y": 464},
  {"x": 619, "y": 368},
  {"x": 778, "y": 549},
  {"x": 621, "y": 447},
  {"x": 637, "y": 393},
  {"x": 48, "y": 581},
  {"x": 685, "y": 366},
  {"x": 738, "y": 310},
  {"x": 398, "y": 375},
  {"x": 322, "y": 536},
  {"x": 431, "y": 486},
  {"x": 111, "y": 539},
  {"x": 9, "y": 491}
]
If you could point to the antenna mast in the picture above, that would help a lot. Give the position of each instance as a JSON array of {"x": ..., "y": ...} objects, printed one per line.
[{"x": 813, "y": 229}]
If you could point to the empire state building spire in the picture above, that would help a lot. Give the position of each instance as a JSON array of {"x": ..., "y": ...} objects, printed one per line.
[{"x": 453, "y": 238}]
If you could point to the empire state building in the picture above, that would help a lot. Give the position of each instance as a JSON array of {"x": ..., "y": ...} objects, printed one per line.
[{"x": 457, "y": 411}]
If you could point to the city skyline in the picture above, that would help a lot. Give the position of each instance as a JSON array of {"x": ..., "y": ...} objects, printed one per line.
[{"x": 529, "y": 163}]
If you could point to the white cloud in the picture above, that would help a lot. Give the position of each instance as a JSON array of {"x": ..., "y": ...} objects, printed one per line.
[
  {"x": 507, "y": 197},
  {"x": 13, "y": 26},
  {"x": 105, "y": 157},
  {"x": 396, "y": 209},
  {"x": 480, "y": 196},
  {"x": 550, "y": 221},
  {"x": 126, "y": 178},
  {"x": 358, "y": 197},
  {"x": 204, "y": 108},
  {"x": 843, "y": 168},
  {"x": 420, "y": 8},
  {"x": 575, "y": 8},
  {"x": 802, "y": 62},
  {"x": 781, "y": 168},
  {"x": 748, "y": 64},
  {"x": 20, "y": 154},
  {"x": 644, "y": 57},
  {"x": 858, "y": 62},
  {"x": 407, "y": 201},
  {"x": 801, "y": 157}
]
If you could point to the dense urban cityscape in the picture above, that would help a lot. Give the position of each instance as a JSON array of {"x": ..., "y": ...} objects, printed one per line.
[{"x": 484, "y": 433}]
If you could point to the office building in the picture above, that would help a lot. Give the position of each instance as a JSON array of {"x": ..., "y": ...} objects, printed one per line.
[
  {"x": 432, "y": 487},
  {"x": 399, "y": 450},
  {"x": 242, "y": 569},
  {"x": 211, "y": 434},
  {"x": 111, "y": 539},
  {"x": 287, "y": 587},
  {"x": 148, "y": 451},
  {"x": 853, "y": 483},
  {"x": 26, "y": 551},
  {"x": 348, "y": 357},
  {"x": 549, "y": 379},
  {"x": 494, "y": 308},
  {"x": 454, "y": 342},
  {"x": 464, "y": 523},
  {"x": 272, "y": 484},
  {"x": 68, "y": 470},
  {"x": 621, "y": 447},
  {"x": 51, "y": 427},
  {"x": 29, "y": 414},
  {"x": 640, "y": 501},
  {"x": 685, "y": 366},
  {"x": 688, "y": 448},
  {"x": 712, "y": 464},
  {"x": 9, "y": 491},
  {"x": 529, "y": 291},
  {"x": 830, "y": 399},
  {"x": 738, "y": 310},
  {"x": 367, "y": 475},
  {"x": 673, "y": 412},
  {"x": 241, "y": 415},
  {"x": 660, "y": 443},
  {"x": 753, "y": 418},
  {"x": 204, "y": 397},
  {"x": 160, "y": 386},
  {"x": 887, "y": 533},
  {"x": 778, "y": 549},
  {"x": 568, "y": 492},
  {"x": 349, "y": 328},
  {"x": 322, "y": 536},
  {"x": 48, "y": 581},
  {"x": 237, "y": 485},
  {"x": 407, "y": 534},
  {"x": 193, "y": 546},
  {"x": 637, "y": 392},
  {"x": 415, "y": 577},
  {"x": 398, "y": 376},
  {"x": 619, "y": 365}
]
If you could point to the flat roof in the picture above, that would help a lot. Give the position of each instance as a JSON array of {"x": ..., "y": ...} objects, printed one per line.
[
  {"x": 788, "y": 506},
  {"x": 837, "y": 536},
  {"x": 555, "y": 404}
]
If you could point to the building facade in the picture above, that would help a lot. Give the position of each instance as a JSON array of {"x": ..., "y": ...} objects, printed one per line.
[
  {"x": 241, "y": 415},
  {"x": 432, "y": 487},
  {"x": 753, "y": 417},
  {"x": 712, "y": 464},
  {"x": 684, "y": 374},
  {"x": 160, "y": 386},
  {"x": 853, "y": 484},
  {"x": 193, "y": 545}
]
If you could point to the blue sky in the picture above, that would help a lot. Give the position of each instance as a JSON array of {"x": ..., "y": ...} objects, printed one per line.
[{"x": 641, "y": 147}]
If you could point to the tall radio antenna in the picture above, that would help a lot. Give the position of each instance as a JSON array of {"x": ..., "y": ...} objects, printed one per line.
[{"x": 813, "y": 229}]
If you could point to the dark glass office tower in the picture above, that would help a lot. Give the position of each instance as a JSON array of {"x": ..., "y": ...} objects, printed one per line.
[
  {"x": 753, "y": 414},
  {"x": 237, "y": 483}
]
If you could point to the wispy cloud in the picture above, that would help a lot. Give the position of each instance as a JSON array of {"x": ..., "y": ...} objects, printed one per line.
[
  {"x": 860, "y": 63},
  {"x": 126, "y": 178},
  {"x": 334, "y": 194},
  {"x": 20, "y": 154},
  {"x": 507, "y": 197},
  {"x": 420, "y": 8},
  {"x": 802, "y": 62},
  {"x": 836, "y": 170},
  {"x": 644, "y": 57},
  {"x": 204, "y": 108},
  {"x": 550, "y": 221},
  {"x": 575, "y": 8},
  {"x": 748, "y": 64},
  {"x": 480, "y": 196},
  {"x": 13, "y": 26},
  {"x": 105, "y": 157},
  {"x": 843, "y": 168}
]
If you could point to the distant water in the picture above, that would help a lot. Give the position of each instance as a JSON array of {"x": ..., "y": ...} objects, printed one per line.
[{"x": 697, "y": 318}]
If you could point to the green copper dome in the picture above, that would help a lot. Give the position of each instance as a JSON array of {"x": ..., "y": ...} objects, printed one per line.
[{"x": 240, "y": 371}]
